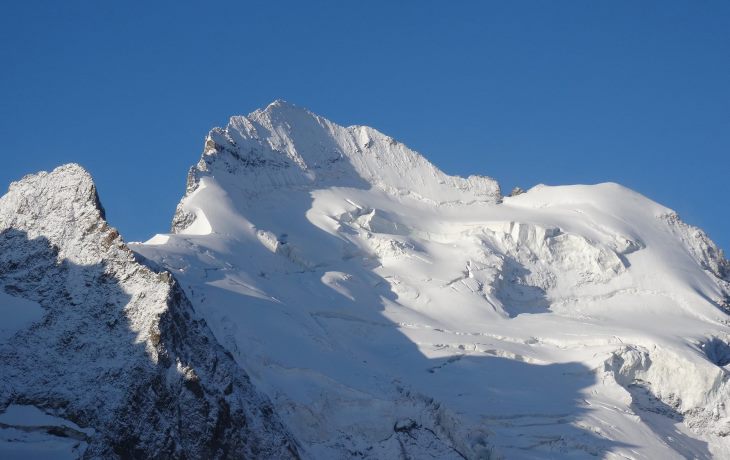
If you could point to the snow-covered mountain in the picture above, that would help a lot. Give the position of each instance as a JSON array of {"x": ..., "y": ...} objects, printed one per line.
[
  {"x": 102, "y": 357},
  {"x": 345, "y": 298}
]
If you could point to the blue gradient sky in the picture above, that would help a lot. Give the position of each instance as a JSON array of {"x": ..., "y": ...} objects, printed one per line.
[{"x": 527, "y": 92}]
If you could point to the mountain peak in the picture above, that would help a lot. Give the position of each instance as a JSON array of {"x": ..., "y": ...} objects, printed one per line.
[
  {"x": 340, "y": 262},
  {"x": 284, "y": 146},
  {"x": 390, "y": 310},
  {"x": 56, "y": 204},
  {"x": 279, "y": 111},
  {"x": 91, "y": 338},
  {"x": 282, "y": 104}
]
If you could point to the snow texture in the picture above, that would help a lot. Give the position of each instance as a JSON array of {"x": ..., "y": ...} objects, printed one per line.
[
  {"x": 370, "y": 295},
  {"x": 384, "y": 308}
]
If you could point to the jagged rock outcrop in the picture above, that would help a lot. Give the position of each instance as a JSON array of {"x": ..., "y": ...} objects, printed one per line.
[{"x": 117, "y": 348}]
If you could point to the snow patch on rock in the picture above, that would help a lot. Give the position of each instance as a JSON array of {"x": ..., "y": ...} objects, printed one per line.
[{"x": 119, "y": 352}]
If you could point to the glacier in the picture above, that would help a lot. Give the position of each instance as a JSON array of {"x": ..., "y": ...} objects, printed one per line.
[{"x": 365, "y": 305}]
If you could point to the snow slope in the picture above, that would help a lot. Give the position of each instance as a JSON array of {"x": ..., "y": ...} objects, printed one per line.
[
  {"x": 335, "y": 295},
  {"x": 390, "y": 310}
]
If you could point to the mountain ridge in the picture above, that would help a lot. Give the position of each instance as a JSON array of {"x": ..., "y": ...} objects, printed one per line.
[
  {"x": 116, "y": 348},
  {"x": 370, "y": 306},
  {"x": 287, "y": 146},
  {"x": 624, "y": 288}
]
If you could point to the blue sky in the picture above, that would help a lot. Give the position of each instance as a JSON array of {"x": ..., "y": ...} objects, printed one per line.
[{"x": 526, "y": 92}]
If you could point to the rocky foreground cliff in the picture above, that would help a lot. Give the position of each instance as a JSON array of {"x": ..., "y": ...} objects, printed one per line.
[{"x": 110, "y": 348}]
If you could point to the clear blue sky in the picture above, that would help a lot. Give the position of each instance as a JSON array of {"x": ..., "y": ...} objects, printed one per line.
[{"x": 527, "y": 92}]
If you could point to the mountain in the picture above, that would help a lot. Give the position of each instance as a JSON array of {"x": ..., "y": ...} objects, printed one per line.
[
  {"x": 342, "y": 297},
  {"x": 102, "y": 357}
]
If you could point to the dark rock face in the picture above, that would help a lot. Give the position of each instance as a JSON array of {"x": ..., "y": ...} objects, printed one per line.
[{"x": 119, "y": 348}]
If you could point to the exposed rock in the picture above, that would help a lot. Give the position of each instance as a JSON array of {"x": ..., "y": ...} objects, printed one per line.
[{"x": 119, "y": 349}]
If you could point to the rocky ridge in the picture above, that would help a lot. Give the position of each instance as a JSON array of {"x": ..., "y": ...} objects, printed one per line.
[{"x": 117, "y": 350}]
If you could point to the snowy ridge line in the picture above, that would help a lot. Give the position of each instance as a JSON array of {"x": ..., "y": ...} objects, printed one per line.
[
  {"x": 322, "y": 301},
  {"x": 557, "y": 281},
  {"x": 290, "y": 147}
]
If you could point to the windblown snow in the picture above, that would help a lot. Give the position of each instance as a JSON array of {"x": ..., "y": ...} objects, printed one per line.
[{"x": 388, "y": 310}]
